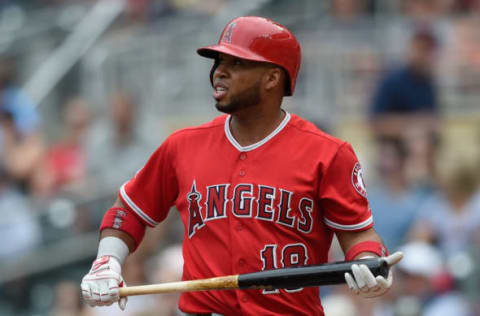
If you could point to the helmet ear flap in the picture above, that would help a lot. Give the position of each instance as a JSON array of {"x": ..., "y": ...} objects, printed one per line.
[{"x": 214, "y": 67}]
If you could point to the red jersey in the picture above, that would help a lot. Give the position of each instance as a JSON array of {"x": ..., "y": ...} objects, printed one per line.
[{"x": 269, "y": 205}]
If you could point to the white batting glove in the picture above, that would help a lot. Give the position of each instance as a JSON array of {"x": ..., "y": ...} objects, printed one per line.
[
  {"x": 100, "y": 287},
  {"x": 365, "y": 284}
]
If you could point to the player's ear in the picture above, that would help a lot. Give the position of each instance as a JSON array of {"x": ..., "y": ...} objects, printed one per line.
[{"x": 273, "y": 78}]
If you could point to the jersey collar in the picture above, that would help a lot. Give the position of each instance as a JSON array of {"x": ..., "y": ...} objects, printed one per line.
[{"x": 234, "y": 142}]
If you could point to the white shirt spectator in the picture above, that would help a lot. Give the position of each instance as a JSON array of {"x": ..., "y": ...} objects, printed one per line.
[
  {"x": 19, "y": 228},
  {"x": 452, "y": 228}
]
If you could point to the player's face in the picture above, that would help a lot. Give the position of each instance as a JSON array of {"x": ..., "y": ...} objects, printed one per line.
[{"x": 237, "y": 83}]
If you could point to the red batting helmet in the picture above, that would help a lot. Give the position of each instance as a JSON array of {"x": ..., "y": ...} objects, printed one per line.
[{"x": 259, "y": 39}]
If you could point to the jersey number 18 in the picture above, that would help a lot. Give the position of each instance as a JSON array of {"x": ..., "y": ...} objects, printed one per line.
[{"x": 292, "y": 255}]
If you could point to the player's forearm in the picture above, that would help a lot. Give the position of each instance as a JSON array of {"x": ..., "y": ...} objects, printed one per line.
[
  {"x": 349, "y": 239},
  {"x": 101, "y": 285}
]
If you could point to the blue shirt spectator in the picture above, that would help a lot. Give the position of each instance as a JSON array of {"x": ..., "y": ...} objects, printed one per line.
[
  {"x": 410, "y": 88},
  {"x": 15, "y": 102},
  {"x": 21, "y": 141},
  {"x": 405, "y": 91},
  {"x": 394, "y": 213}
]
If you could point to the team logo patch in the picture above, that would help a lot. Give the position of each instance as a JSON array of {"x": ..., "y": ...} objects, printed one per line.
[
  {"x": 357, "y": 180},
  {"x": 118, "y": 220},
  {"x": 227, "y": 37}
]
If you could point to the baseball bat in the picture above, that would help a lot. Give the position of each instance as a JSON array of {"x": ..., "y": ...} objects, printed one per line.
[{"x": 289, "y": 278}]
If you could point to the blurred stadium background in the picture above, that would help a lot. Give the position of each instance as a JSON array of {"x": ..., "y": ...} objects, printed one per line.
[{"x": 88, "y": 89}]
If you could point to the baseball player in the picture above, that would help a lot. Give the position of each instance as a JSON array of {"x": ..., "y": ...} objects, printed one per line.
[{"x": 257, "y": 188}]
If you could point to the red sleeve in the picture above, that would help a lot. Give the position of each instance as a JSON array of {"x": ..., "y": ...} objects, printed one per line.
[
  {"x": 153, "y": 190},
  {"x": 342, "y": 193}
]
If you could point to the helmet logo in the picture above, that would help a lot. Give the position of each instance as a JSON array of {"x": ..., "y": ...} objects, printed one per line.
[{"x": 227, "y": 37}]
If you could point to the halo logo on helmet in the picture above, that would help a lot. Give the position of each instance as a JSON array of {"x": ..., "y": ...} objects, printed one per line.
[
  {"x": 259, "y": 39},
  {"x": 227, "y": 37}
]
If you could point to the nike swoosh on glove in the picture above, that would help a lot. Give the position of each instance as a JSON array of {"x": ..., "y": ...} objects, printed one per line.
[{"x": 100, "y": 287}]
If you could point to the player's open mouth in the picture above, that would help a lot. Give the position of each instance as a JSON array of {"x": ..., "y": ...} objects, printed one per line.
[{"x": 219, "y": 91}]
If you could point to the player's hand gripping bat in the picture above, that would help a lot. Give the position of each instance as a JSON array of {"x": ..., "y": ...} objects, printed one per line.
[{"x": 315, "y": 275}]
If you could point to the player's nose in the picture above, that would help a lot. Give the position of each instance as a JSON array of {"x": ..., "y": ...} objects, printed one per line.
[{"x": 220, "y": 71}]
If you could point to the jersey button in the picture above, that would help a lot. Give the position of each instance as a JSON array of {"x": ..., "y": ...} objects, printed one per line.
[
  {"x": 239, "y": 227},
  {"x": 243, "y": 156},
  {"x": 242, "y": 173},
  {"x": 244, "y": 299},
  {"x": 241, "y": 262}
]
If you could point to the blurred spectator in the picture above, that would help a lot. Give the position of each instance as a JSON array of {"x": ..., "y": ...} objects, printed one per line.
[
  {"x": 410, "y": 89},
  {"x": 21, "y": 145},
  {"x": 347, "y": 10},
  {"x": 67, "y": 300},
  {"x": 421, "y": 290},
  {"x": 116, "y": 149},
  {"x": 451, "y": 218},
  {"x": 393, "y": 200},
  {"x": 466, "y": 6},
  {"x": 19, "y": 228},
  {"x": 64, "y": 166},
  {"x": 462, "y": 57},
  {"x": 427, "y": 10},
  {"x": 428, "y": 15},
  {"x": 405, "y": 105},
  {"x": 208, "y": 7},
  {"x": 138, "y": 10}
]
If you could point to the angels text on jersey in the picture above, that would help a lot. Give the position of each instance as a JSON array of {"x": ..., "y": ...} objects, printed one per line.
[{"x": 246, "y": 200}]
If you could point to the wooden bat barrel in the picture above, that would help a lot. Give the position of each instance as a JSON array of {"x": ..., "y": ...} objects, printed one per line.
[{"x": 303, "y": 276}]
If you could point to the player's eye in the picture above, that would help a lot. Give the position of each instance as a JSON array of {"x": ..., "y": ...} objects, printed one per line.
[{"x": 237, "y": 62}]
